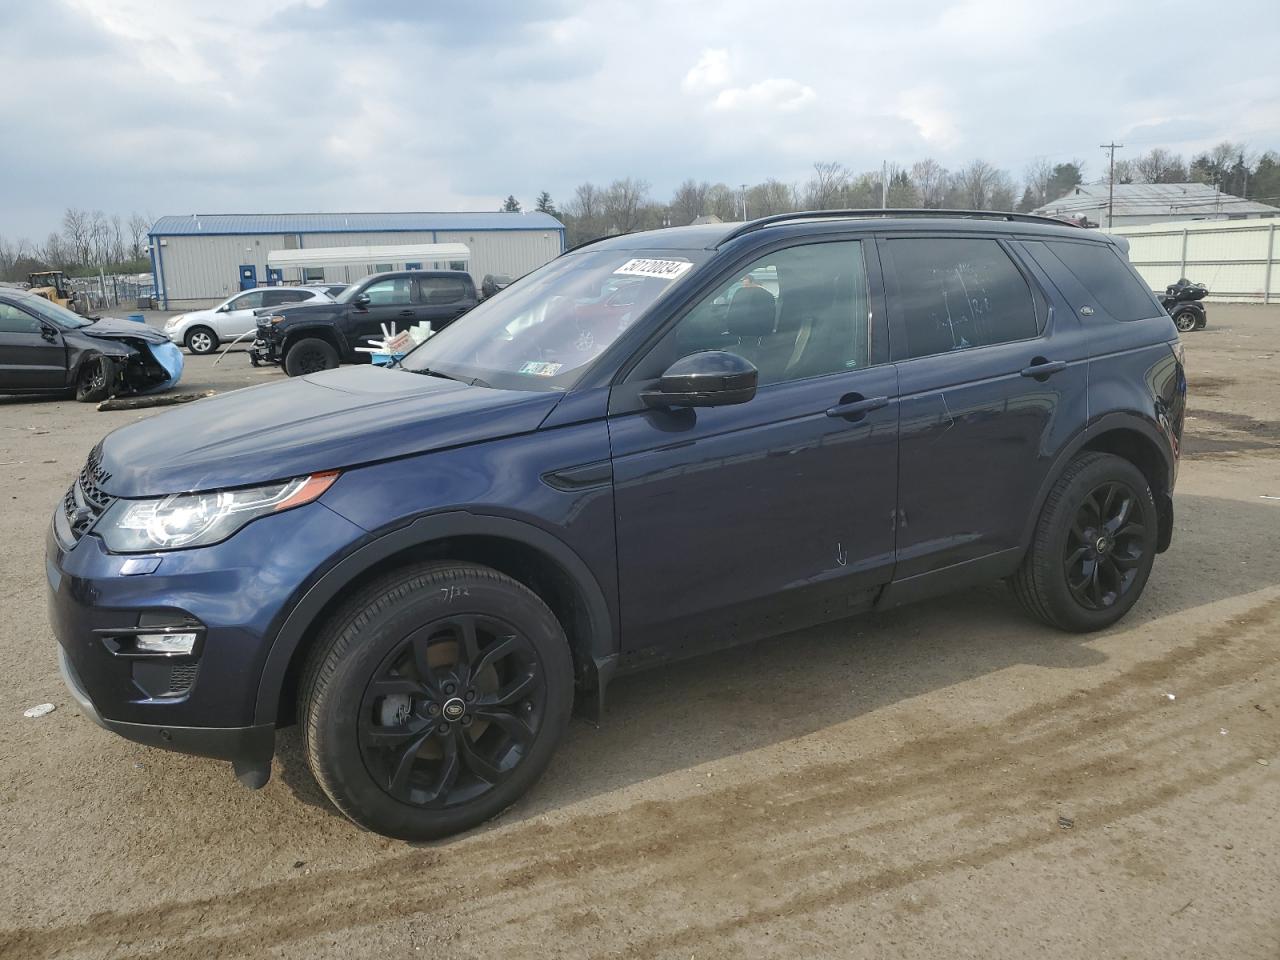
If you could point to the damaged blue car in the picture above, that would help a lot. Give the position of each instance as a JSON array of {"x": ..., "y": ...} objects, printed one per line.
[{"x": 45, "y": 348}]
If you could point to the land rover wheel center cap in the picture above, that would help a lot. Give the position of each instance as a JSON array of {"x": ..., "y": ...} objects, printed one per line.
[
  {"x": 1102, "y": 546},
  {"x": 454, "y": 709}
]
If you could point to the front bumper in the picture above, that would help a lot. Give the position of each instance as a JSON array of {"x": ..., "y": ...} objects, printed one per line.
[
  {"x": 234, "y": 594},
  {"x": 265, "y": 349}
]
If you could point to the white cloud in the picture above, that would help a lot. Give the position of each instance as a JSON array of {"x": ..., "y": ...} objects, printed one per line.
[
  {"x": 710, "y": 73},
  {"x": 776, "y": 93}
]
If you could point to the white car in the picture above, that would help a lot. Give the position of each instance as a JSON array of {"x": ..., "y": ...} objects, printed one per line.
[{"x": 201, "y": 331}]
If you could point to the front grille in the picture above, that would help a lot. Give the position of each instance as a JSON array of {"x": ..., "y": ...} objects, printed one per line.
[{"x": 86, "y": 500}]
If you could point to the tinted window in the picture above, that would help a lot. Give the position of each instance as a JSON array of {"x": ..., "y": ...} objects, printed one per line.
[
  {"x": 388, "y": 292},
  {"x": 1105, "y": 275},
  {"x": 273, "y": 298},
  {"x": 796, "y": 313},
  {"x": 13, "y": 320},
  {"x": 442, "y": 289},
  {"x": 953, "y": 294}
]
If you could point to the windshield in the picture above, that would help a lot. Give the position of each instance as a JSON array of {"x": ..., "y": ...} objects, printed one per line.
[
  {"x": 546, "y": 328},
  {"x": 55, "y": 314}
]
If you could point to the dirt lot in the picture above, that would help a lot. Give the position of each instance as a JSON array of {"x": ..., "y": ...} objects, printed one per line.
[{"x": 947, "y": 780}]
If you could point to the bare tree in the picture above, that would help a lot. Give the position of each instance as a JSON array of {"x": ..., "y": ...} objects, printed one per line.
[
  {"x": 975, "y": 183},
  {"x": 930, "y": 179},
  {"x": 1159, "y": 166},
  {"x": 770, "y": 197},
  {"x": 138, "y": 229},
  {"x": 827, "y": 187},
  {"x": 724, "y": 202},
  {"x": 1038, "y": 175},
  {"x": 623, "y": 203},
  {"x": 77, "y": 229},
  {"x": 689, "y": 202}
]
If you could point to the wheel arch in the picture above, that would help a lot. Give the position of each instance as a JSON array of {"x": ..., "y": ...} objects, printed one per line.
[
  {"x": 324, "y": 332},
  {"x": 1134, "y": 439},
  {"x": 528, "y": 554}
]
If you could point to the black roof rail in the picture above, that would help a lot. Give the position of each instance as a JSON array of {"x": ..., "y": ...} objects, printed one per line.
[{"x": 752, "y": 225}]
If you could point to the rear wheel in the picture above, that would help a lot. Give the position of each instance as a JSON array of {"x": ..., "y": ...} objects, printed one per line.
[
  {"x": 1094, "y": 545},
  {"x": 93, "y": 382},
  {"x": 201, "y": 340},
  {"x": 310, "y": 356},
  {"x": 434, "y": 699},
  {"x": 1185, "y": 320}
]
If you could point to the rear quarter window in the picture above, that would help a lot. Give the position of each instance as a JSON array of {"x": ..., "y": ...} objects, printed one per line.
[{"x": 1105, "y": 275}]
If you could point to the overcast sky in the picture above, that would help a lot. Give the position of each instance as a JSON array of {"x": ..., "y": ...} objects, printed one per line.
[{"x": 175, "y": 107}]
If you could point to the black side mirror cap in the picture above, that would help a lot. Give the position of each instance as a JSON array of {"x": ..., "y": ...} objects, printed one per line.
[{"x": 711, "y": 378}]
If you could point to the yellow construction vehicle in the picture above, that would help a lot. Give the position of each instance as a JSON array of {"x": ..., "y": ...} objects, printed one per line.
[{"x": 52, "y": 285}]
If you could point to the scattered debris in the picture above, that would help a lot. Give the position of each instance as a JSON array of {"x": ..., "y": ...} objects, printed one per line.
[
  {"x": 1265, "y": 763},
  {"x": 158, "y": 400},
  {"x": 1181, "y": 908},
  {"x": 1066, "y": 823},
  {"x": 1172, "y": 696},
  {"x": 1265, "y": 497},
  {"x": 1223, "y": 731},
  {"x": 298, "y": 864},
  {"x": 44, "y": 709}
]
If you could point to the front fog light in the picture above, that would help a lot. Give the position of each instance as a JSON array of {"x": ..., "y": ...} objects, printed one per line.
[{"x": 165, "y": 644}]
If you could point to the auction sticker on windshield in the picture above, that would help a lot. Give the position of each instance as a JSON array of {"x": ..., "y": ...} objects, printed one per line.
[
  {"x": 541, "y": 368},
  {"x": 662, "y": 269}
]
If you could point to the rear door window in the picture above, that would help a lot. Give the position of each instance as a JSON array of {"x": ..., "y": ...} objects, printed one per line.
[
  {"x": 953, "y": 293},
  {"x": 436, "y": 290},
  {"x": 1103, "y": 272}
]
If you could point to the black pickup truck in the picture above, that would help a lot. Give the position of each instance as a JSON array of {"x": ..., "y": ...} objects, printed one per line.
[{"x": 309, "y": 337}]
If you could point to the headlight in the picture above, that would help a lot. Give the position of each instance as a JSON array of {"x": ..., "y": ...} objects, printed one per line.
[
  {"x": 275, "y": 319},
  {"x": 174, "y": 321},
  {"x": 200, "y": 519}
]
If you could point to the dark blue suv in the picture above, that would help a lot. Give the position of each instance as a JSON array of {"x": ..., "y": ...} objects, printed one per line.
[{"x": 653, "y": 445}]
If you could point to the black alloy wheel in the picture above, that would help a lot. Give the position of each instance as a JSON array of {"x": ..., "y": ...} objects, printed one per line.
[
  {"x": 1105, "y": 546},
  {"x": 452, "y": 711}
]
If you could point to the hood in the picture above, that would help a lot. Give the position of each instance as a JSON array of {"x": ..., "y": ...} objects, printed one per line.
[
  {"x": 109, "y": 328},
  {"x": 332, "y": 420},
  {"x": 311, "y": 308}
]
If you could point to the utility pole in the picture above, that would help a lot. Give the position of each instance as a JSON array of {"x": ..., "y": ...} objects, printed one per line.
[
  {"x": 744, "y": 203},
  {"x": 1111, "y": 178},
  {"x": 884, "y": 185}
]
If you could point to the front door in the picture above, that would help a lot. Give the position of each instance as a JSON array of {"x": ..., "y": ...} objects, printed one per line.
[
  {"x": 248, "y": 276},
  {"x": 236, "y": 317},
  {"x": 741, "y": 521},
  {"x": 391, "y": 305},
  {"x": 32, "y": 355},
  {"x": 990, "y": 386}
]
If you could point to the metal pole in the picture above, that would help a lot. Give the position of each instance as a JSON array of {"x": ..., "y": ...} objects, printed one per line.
[
  {"x": 1182, "y": 270},
  {"x": 1111, "y": 178},
  {"x": 744, "y": 203},
  {"x": 1271, "y": 255},
  {"x": 884, "y": 185}
]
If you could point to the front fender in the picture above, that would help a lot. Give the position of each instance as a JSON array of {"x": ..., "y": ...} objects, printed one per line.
[
  {"x": 421, "y": 532},
  {"x": 326, "y": 331}
]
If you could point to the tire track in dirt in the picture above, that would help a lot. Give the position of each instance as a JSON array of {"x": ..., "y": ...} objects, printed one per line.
[{"x": 694, "y": 843}]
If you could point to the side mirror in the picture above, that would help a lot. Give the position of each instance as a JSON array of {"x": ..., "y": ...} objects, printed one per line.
[
  {"x": 362, "y": 300},
  {"x": 712, "y": 378},
  {"x": 225, "y": 308}
]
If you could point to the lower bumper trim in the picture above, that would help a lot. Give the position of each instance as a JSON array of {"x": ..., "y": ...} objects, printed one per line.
[{"x": 250, "y": 749}]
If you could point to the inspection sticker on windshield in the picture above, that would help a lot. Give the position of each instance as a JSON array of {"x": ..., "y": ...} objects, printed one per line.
[
  {"x": 540, "y": 368},
  {"x": 662, "y": 269}
]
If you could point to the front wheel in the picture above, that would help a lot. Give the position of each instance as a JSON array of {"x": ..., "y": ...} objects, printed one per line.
[
  {"x": 1093, "y": 548},
  {"x": 435, "y": 699},
  {"x": 311, "y": 355},
  {"x": 1185, "y": 321},
  {"x": 201, "y": 340},
  {"x": 93, "y": 383}
]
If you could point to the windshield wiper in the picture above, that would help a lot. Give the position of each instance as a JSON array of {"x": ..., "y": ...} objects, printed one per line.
[{"x": 470, "y": 381}]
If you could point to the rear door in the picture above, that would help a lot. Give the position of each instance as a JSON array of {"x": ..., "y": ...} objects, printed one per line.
[
  {"x": 991, "y": 383},
  {"x": 32, "y": 355},
  {"x": 441, "y": 300},
  {"x": 746, "y": 520}
]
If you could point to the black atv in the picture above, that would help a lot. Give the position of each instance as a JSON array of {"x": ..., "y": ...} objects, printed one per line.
[{"x": 1182, "y": 300}]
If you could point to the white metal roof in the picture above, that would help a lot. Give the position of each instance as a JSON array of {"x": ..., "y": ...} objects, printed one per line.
[
  {"x": 394, "y": 253},
  {"x": 1154, "y": 199}
]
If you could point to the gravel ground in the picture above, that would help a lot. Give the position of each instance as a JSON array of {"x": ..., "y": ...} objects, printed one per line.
[{"x": 943, "y": 780}]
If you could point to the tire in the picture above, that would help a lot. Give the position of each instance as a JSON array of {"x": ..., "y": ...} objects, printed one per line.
[
  {"x": 93, "y": 382},
  {"x": 1185, "y": 320},
  {"x": 1055, "y": 583},
  {"x": 1202, "y": 322},
  {"x": 201, "y": 340},
  {"x": 310, "y": 356},
  {"x": 365, "y": 709}
]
